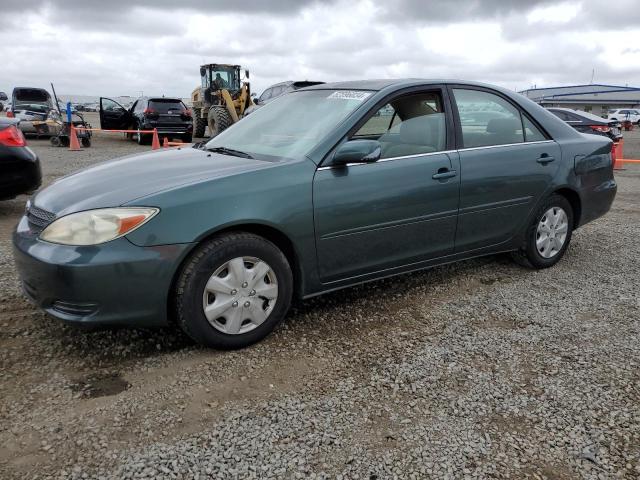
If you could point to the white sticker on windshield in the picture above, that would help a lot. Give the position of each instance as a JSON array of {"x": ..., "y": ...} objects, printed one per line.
[{"x": 349, "y": 95}]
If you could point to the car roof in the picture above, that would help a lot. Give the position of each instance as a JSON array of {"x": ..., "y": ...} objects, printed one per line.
[
  {"x": 159, "y": 97},
  {"x": 381, "y": 84}
]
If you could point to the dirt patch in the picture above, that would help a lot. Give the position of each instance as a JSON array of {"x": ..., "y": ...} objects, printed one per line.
[{"x": 100, "y": 385}]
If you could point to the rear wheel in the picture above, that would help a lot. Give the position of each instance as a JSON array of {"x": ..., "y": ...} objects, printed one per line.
[
  {"x": 86, "y": 142},
  {"x": 218, "y": 119},
  {"x": 199, "y": 124},
  {"x": 233, "y": 291},
  {"x": 55, "y": 141},
  {"x": 186, "y": 138},
  {"x": 141, "y": 138},
  {"x": 548, "y": 235}
]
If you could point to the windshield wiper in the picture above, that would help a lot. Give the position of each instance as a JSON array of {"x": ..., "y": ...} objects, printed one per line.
[{"x": 229, "y": 151}]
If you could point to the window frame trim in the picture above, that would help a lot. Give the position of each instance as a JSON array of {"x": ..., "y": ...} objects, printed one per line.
[
  {"x": 458, "y": 124},
  {"x": 450, "y": 132}
]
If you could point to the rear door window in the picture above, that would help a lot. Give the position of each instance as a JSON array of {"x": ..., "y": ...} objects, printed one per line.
[
  {"x": 487, "y": 119},
  {"x": 531, "y": 132}
]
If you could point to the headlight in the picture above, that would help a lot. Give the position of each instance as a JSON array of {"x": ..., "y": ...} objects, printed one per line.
[{"x": 96, "y": 226}]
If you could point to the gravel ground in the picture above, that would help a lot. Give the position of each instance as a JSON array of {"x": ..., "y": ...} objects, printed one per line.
[{"x": 480, "y": 369}]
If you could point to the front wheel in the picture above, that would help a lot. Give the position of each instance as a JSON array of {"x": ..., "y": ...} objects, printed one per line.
[
  {"x": 548, "y": 235},
  {"x": 233, "y": 291},
  {"x": 218, "y": 119}
]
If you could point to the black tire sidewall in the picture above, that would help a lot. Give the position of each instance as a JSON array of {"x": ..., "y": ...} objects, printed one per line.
[
  {"x": 196, "y": 274},
  {"x": 534, "y": 257}
]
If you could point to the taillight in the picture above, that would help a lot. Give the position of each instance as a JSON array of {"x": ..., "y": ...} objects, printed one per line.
[
  {"x": 614, "y": 154},
  {"x": 10, "y": 114},
  {"x": 149, "y": 112},
  {"x": 186, "y": 113},
  {"x": 12, "y": 137},
  {"x": 600, "y": 128}
]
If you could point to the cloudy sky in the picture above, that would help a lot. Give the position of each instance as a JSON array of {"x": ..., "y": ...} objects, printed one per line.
[{"x": 122, "y": 47}]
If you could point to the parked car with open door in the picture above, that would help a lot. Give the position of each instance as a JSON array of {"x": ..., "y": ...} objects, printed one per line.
[{"x": 170, "y": 116}]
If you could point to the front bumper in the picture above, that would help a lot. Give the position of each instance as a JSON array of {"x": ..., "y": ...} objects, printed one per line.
[{"x": 115, "y": 283}]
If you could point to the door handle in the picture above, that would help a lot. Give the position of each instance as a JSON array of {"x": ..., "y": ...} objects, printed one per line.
[
  {"x": 545, "y": 158},
  {"x": 444, "y": 173}
]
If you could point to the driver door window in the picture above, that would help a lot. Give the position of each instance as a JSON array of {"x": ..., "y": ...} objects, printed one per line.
[{"x": 408, "y": 125}]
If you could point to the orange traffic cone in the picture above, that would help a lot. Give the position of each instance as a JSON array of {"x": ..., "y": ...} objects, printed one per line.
[
  {"x": 618, "y": 155},
  {"x": 74, "y": 144},
  {"x": 165, "y": 143},
  {"x": 155, "y": 144}
]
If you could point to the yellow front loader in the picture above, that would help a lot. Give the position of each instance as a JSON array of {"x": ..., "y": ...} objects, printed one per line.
[{"x": 221, "y": 99}]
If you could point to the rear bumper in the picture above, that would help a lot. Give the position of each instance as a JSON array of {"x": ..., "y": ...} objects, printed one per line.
[
  {"x": 116, "y": 283},
  {"x": 181, "y": 129}
]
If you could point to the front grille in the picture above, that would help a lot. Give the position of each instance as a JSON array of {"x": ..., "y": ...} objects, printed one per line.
[{"x": 39, "y": 219}]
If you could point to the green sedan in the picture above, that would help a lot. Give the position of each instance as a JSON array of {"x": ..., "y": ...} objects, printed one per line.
[{"x": 323, "y": 188}]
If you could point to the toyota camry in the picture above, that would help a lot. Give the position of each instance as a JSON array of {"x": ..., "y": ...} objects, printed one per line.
[{"x": 323, "y": 188}]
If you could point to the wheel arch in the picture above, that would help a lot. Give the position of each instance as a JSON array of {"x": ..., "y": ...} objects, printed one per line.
[
  {"x": 274, "y": 235},
  {"x": 573, "y": 198}
]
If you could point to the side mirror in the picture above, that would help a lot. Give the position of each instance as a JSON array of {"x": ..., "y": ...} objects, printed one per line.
[
  {"x": 203, "y": 71},
  {"x": 3, "y": 96},
  {"x": 246, "y": 73},
  {"x": 357, "y": 151}
]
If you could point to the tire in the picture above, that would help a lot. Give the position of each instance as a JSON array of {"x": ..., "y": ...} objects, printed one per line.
[
  {"x": 55, "y": 141},
  {"x": 186, "y": 138},
  {"x": 531, "y": 256},
  {"x": 141, "y": 138},
  {"x": 218, "y": 119},
  {"x": 86, "y": 142},
  {"x": 201, "y": 268},
  {"x": 199, "y": 124}
]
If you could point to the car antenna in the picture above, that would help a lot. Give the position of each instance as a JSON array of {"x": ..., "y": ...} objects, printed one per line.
[{"x": 55, "y": 97}]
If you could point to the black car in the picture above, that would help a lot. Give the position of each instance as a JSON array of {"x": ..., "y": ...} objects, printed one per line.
[
  {"x": 170, "y": 116},
  {"x": 19, "y": 165},
  {"x": 586, "y": 122},
  {"x": 274, "y": 91}
]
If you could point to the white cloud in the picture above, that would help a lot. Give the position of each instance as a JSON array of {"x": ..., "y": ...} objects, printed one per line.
[{"x": 119, "y": 48}]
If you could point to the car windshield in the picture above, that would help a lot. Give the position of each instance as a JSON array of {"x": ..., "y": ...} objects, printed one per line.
[
  {"x": 32, "y": 107},
  {"x": 292, "y": 125}
]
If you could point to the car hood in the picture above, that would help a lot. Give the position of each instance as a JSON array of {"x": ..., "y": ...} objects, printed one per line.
[{"x": 121, "y": 181}]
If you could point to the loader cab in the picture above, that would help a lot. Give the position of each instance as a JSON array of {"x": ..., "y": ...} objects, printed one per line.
[{"x": 216, "y": 77}]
